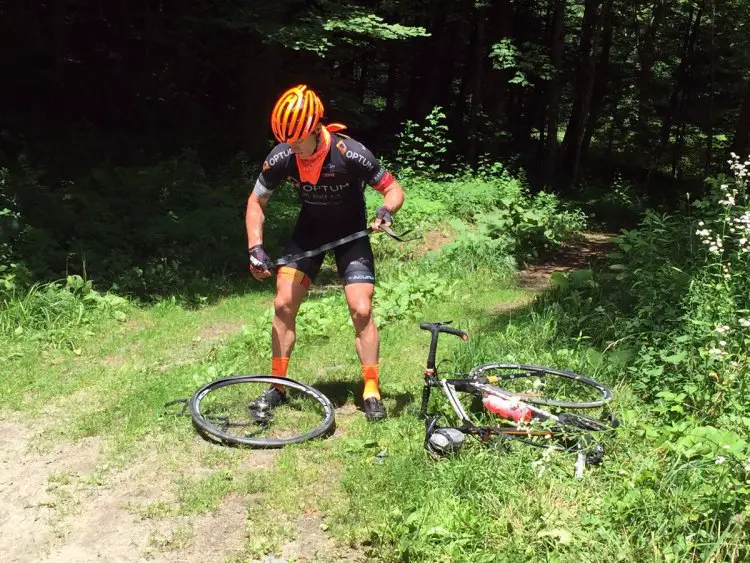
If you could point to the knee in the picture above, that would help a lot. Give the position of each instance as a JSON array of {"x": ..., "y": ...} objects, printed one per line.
[
  {"x": 361, "y": 312},
  {"x": 283, "y": 307}
]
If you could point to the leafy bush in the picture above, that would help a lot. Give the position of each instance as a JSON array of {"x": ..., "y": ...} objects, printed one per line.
[
  {"x": 422, "y": 147},
  {"x": 519, "y": 227},
  {"x": 144, "y": 230}
]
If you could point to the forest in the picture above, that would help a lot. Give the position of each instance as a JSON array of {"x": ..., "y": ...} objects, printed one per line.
[{"x": 131, "y": 134}]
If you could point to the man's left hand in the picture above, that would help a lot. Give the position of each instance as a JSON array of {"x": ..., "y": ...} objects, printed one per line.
[{"x": 383, "y": 218}]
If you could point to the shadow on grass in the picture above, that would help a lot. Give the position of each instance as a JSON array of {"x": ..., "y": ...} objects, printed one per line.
[{"x": 342, "y": 393}]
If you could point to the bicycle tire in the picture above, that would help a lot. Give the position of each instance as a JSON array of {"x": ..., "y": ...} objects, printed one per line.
[
  {"x": 214, "y": 431},
  {"x": 605, "y": 393}
]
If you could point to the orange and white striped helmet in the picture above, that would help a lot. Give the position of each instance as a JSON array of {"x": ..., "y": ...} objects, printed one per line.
[{"x": 296, "y": 113}]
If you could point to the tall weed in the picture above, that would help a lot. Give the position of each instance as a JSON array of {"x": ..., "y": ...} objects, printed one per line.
[{"x": 50, "y": 313}]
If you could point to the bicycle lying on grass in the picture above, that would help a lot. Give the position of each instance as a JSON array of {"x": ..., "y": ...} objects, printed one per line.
[
  {"x": 524, "y": 396},
  {"x": 496, "y": 400}
]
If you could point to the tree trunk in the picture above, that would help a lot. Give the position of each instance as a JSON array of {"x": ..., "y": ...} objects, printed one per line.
[
  {"x": 741, "y": 143},
  {"x": 711, "y": 80},
  {"x": 461, "y": 104},
  {"x": 391, "y": 88},
  {"x": 646, "y": 56},
  {"x": 590, "y": 37},
  {"x": 681, "y": 92},
  {"x": 263, "y": 59},
  {"x": 555, "y": 87},
  {"x": 420, "y": 98},
  {"x": 601, "y": 80},
  {"x": 362, "y": 78},
  {"x": 476, "y": 84},
  {"x": 58, "y": 38}
]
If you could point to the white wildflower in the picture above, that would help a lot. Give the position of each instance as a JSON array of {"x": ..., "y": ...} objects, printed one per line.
[{"x": 720, "y": 459}]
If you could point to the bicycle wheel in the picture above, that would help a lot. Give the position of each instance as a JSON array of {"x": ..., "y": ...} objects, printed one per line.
[
  {"x": 543, "y": 386},
  {"x": 223, "y": 410}
]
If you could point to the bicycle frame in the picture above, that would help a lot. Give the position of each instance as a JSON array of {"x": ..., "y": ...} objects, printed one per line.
[
  {"x": 449, "y": 386},
  {"x": 480, "y": 388}
]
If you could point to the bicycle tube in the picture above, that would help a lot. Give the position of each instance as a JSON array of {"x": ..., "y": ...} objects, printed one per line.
[{"x": 338, "y": 242}]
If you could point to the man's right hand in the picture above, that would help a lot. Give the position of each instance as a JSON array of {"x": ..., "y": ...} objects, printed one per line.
[{"x": 260, "y": 262}]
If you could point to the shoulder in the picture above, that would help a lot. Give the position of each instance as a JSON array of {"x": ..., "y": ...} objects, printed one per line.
[
  {"x": 279, "y": 157},
  {"x": 354, "y": 152}
]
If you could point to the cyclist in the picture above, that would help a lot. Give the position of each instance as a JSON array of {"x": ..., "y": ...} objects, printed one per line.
[{"x": 329, "y": 171}]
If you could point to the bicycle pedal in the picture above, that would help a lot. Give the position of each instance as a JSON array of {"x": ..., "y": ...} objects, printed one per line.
[{"x": 595, "y": 455}]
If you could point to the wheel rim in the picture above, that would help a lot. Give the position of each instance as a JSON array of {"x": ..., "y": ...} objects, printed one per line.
[
  {"x": 526, "y": 371},
  {"x": 238, "y": 424}
]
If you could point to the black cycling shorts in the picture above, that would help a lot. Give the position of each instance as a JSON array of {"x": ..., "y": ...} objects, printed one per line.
[{"x": 354, "y": 261}]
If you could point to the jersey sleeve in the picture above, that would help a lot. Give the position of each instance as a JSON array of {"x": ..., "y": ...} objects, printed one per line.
[
  {"x": 363, "y": 163},
  {"x": 275, "y": 169}
]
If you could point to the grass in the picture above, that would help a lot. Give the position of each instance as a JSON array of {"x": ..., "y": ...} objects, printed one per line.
[{"x": 371, "y": 485}]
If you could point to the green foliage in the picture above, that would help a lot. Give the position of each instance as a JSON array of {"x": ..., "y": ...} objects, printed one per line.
[
  {"x": 10, "y": 223},
  {"x": 422, "y": 147},
  {"x": 358, "y": 22},
  {"x": 51, "y": 313},
  {"x": 530, "y": 63},
  {"x": 404, "y": 295},
  {"x": 519, "y": 227},
  {"x": 144, "y": 230},
  {"x": 316, "y": 28}
]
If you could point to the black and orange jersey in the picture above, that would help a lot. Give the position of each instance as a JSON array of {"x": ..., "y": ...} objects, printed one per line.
[{"x": 336, "y": 203}]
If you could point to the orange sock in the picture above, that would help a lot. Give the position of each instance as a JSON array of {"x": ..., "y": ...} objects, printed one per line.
[
  {"x": 371, "y": 375},
  {"x": 279, "y": 365}
]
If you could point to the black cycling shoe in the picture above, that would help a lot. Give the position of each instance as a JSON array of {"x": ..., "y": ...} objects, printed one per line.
[
  {"x": 268, "y": 400},
  {"x": 374, "y": 409}
]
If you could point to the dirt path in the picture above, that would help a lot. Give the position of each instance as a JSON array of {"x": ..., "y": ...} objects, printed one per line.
[
  {"x": 66, "y": 505},
  {"x": 590, "y": 249}
]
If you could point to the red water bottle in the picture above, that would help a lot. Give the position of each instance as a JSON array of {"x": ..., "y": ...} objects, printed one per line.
[{"x": 507, "y": 408}]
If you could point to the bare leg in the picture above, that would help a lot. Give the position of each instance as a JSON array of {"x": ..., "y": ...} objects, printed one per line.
[
  {"x": 367, "y": 340},
  {"x": 289, "y": 296}
]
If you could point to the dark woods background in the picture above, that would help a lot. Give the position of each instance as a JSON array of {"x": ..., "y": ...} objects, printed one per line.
[{"x": 130, "y": 131}]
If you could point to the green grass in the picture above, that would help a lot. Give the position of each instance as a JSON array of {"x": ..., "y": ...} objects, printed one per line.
[{"x": 487, "y": 504}]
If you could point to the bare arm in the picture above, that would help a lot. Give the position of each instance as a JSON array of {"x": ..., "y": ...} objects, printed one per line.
[
  {"x": 254, "y": 217},
  {"x": 393, "y": 196},
  {"x": 393, "y": 199}
]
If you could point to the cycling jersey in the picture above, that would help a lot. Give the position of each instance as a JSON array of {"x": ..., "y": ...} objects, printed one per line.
[
  {"x": 335, "y": 205},
  {"x": 332, "y": 208}
]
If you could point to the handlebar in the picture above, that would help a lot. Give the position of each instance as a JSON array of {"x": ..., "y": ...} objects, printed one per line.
[{"x": 435, "y": 329}]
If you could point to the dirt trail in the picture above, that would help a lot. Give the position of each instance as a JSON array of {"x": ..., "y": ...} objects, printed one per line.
[
  {"x": 67, "y": 505},
  {"x": 590, "y": 249}
]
